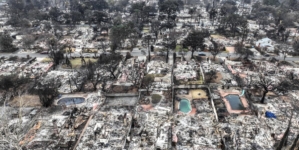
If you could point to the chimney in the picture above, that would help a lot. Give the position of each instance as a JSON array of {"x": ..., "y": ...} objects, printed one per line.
[{"x": 55, "y": 127}]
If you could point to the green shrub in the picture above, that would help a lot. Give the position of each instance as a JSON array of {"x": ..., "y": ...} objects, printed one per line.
[{"x": 156, "y": 98}]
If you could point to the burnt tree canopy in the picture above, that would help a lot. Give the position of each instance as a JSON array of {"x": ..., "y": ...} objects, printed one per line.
[
  {"x": 109, "y": 62},
  {"x": 195, "y": 40},
  {"x": 242, "y": 51}
]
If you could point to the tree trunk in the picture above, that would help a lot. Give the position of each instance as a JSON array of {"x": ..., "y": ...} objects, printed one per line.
[
  {"x": 214, "y": 57},
  {"x": 284, "y": 57},
  {"x": 264, "y": 95},
  {"x": 167, "y": 56},
  {"x": 94, "y": 87},
  {"x": 192, "y": 53},
  {"x": 112, "y": 73},
  {"x": 148, "y": 49},
  {"x": 149, "y": 55},
  {"x": 70, "y": 85}
]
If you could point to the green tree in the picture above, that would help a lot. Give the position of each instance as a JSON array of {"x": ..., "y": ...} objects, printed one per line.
[
  {"x": 213, "y": 14},
  {"x": 56, "y": 51},
  {"x": 215, "y": 50},
  {"x": 119, "y": 33},
  {"x": 6, "y": 43},
  {"x": 296, "y": 46},
  {"x": 47, "y": 92},
  {"x": 293, "y": 4},
  {"x": 16, "y": 7},
  {"x": 16, "y": 21},
  {"x": 169, "y": 7},
  {"x": 28, "y": 41},
  {"x": 195, "y": 40},
  {"x": 147, "y": 82},
  {"x": 147, "y": 39},
  {"x": 233, "y": 22},
  {"x": 227, "y": 9},
  {"x": 271, "y": 2},
  {"x": 54, "y": 13},
  {"x": 100, "y": 17},
  {"x": 96, "y": 4},
  {"x": 155, "y": 27},
  {"x": 247, "y": 1},
  {"x": 191, "y": 12},
  {"x": 76, "y": 17},
  {"x": 137, "y": 9}
]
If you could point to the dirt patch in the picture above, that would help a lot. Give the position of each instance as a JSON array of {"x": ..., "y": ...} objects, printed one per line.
[
  {"x": 25, "y": 101},
  {"x": 124, "y": 89},
  {"x": 198, "y": 94},
  {"x": 219, "y": 77},
  {"x": 158, "y": 58},
  {"x": 216, "y": 36},
  {"x": 259, "y": 92}
]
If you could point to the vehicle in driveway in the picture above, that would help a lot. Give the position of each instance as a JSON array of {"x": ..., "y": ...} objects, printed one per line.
[
  {"x": 44, "y": 52},
  {"x": 202, "y": 54},
  {"x": 159, "y": 46}
]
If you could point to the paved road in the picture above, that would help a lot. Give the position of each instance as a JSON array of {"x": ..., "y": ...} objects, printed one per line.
[
  {"x": 75, "y": 54},
  {"x": 288, "y": 58},
  {"x": 140, "y": 53}
]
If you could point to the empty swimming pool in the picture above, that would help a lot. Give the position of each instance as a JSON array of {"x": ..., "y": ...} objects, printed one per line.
[
  {"x": 185, "y": 106},
  {"x": 235, "y": 102},
  {"x": 71, "y": 101}
]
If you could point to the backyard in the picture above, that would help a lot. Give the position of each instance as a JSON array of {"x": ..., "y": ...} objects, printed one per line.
[{"x": 77, "y": 63}]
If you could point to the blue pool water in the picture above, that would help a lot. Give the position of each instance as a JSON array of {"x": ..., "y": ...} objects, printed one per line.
[
  {"x": 185, "y": 106},
  {"x": 235, "y": 102},
  {"x": 71, "y": 101}
]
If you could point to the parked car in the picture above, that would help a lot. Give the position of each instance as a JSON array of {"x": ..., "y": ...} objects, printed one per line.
[
  {"x": 44, "y": 52},
  {"x": 202, "y": 54}
]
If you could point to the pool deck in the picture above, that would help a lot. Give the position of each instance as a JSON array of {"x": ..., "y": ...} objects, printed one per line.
[
  {"x": 227, "y": 104},
  {"x": 192, "y": 95}
]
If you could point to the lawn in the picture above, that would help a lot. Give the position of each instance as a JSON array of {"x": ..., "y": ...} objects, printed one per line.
[
  {"x": 66, "y": 50},
  {"x": 76, "y": 63},
  {"x": 90, "y": 50},
  {"x": 46, "y": 60},
  {"x": 25, "y": 101},
  {"x": 179, "y": 47},
  {"x": 145, "y": 29},
  {"x": 183, "y": 82}
]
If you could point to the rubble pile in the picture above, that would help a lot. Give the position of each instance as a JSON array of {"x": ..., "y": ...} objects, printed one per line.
[
  {"x": 186, "y": 70},
  {"x": 158, "y": 67},
  {"x": 197, "y": 131},
  {"x": 64, "y": 77},
  {"x": 107, "y": 130},
  {"x": 150, "y": 130}
]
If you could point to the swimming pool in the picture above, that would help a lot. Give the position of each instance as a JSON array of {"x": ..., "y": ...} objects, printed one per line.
[
  {"x": 235, "y": 102},
  {"x": 185, "y": 106},
  {"x": 71, "y": 101}
]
